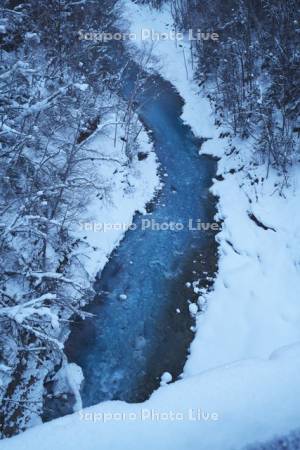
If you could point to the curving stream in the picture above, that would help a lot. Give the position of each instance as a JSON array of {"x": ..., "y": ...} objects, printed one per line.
[{"x": 126, "y": 347}]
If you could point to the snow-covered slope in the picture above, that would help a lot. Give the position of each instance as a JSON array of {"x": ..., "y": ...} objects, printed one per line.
[
  {"x": 105, "y": 222},
  {"x": 225, "y": 408}
]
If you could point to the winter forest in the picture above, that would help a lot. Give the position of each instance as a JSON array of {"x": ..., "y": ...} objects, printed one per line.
[{"x": 150, "y": 224}]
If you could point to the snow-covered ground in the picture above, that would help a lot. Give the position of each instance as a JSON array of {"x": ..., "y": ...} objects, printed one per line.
[
  {"x": 105, "y": 222},
  {"x": 247, "y": 389},
  {"x": 223, "y": 409}
]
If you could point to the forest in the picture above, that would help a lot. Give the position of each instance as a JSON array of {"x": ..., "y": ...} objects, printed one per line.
[{"x": 252, "y": 75}]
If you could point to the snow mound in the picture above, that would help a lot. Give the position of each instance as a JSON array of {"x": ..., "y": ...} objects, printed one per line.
[{"x": 225, "y": 408}]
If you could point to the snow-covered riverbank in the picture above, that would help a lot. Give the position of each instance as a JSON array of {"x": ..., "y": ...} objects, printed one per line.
[
  {"x": 120, "y": 187},
  {"x": 104, "y": 223},
  {"x": 258, "y": 284},
  {"x": 225, "y": 408}
]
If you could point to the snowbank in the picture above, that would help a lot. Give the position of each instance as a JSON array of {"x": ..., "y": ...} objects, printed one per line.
[
  {"x": 254, "y": 307},
  {"x": 105, "y": 222},
  {"x": 225, "y": 408},
  {"x": 168, "y": 58}
]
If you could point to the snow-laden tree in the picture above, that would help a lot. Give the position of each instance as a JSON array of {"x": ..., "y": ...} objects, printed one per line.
[
  {"x": 55, "y": 93},
  {"x": 252, "y": 69}
]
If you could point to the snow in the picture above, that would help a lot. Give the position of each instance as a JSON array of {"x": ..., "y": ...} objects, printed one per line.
[
  {"x": 105, "y": 222},
  {"x": 168, "y": 60},
  {"x": 81, "y": 86},
  {"x": 193, "y": 309},
  {"x": 254, "y": 307},
  {"x": 243, "y": 367},
  {"x": 22, "y": 311},
  {"x": 165, "y": 378},
  {"x": 225, "y": 408},
  {"x": 75, "y": 378},
  {"x": 69, "y": 378},
  {"x": 32, "y": 37}
]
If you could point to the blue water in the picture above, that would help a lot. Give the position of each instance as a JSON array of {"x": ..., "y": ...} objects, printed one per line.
[{"x": 129, "y": 343}]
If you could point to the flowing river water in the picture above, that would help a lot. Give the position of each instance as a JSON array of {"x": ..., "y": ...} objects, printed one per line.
[{"x": 124, "y": 349}]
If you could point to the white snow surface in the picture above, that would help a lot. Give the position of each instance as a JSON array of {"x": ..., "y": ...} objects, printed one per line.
[
  {"x": 224, "y": 408},
  {"x": 235, "y": 371},
  {"x": 69, "y": 378},
  {"x": 105, "y": 223}
]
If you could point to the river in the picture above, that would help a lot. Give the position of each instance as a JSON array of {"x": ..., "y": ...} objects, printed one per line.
[{"x": 142, "y": 326}]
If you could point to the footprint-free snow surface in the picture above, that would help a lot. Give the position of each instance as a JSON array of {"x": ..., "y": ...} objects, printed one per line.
[{"x": 142, "y": 323}]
